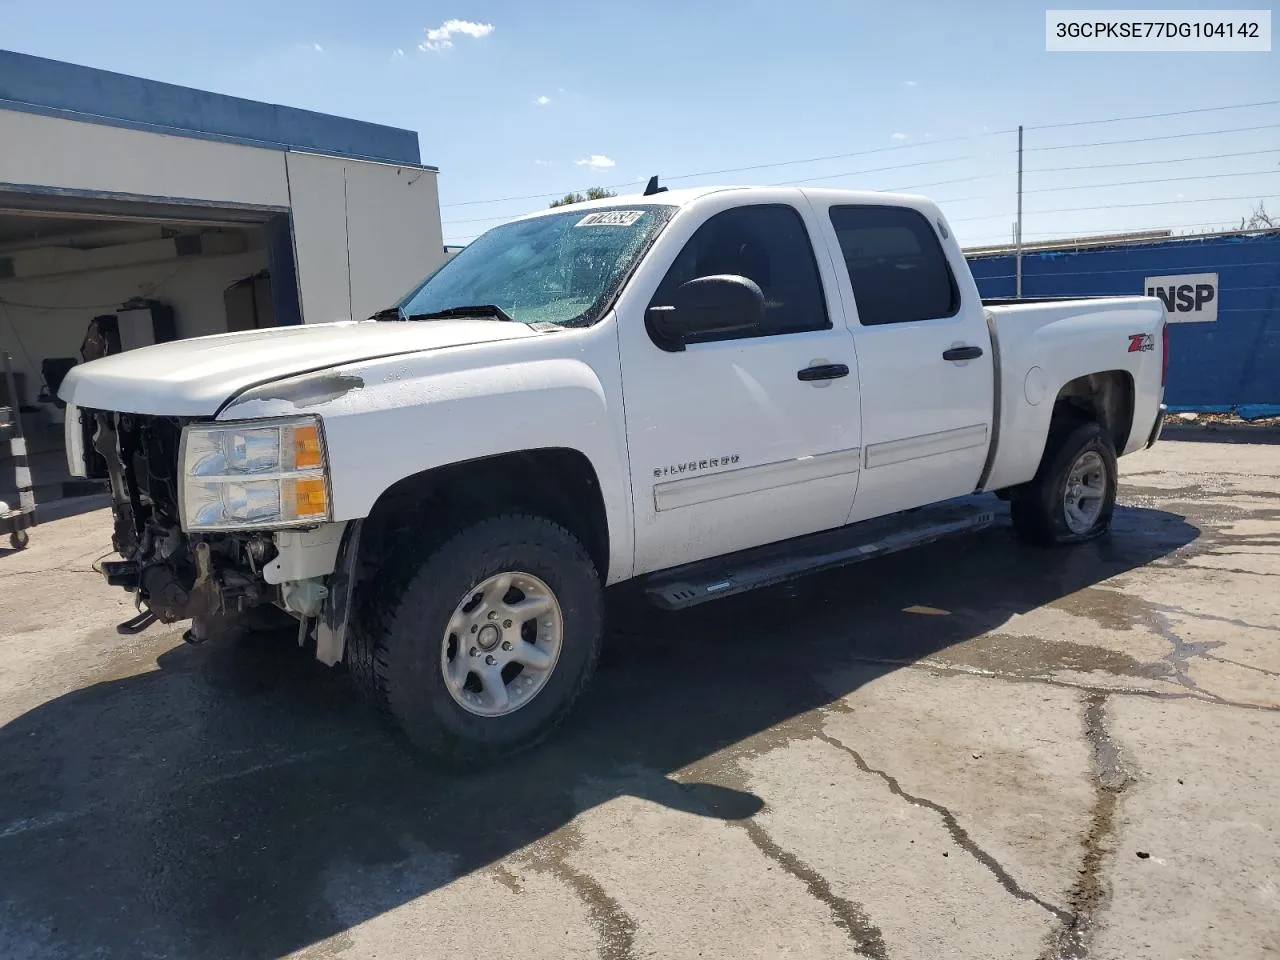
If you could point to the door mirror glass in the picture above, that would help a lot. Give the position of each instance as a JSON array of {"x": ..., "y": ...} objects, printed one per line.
[{"x": 708, "y": 307}]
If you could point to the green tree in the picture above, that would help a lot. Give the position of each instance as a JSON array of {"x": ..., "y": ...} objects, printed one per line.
[{"x": 594, "y": 193}]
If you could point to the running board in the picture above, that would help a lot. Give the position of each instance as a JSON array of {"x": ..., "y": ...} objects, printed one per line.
[{"x": 717, "y": 577}]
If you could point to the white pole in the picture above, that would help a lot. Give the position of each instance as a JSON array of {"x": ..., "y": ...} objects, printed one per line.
[{"x": 1017, "y": 239}]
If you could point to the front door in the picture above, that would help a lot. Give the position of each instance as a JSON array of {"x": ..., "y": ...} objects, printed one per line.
[
  {"x": 731, "y": 445},
  {"x": 924, "y": 357}
]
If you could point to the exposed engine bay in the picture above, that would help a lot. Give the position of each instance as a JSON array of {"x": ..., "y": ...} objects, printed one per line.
[{"x": 173, "y": 576}]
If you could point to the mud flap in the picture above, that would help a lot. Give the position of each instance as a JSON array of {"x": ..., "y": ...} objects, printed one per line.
[{"x": 331, "y": 628}]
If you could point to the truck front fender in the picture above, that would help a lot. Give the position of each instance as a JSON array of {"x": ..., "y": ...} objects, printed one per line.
[{"x": 391, "y": 419}]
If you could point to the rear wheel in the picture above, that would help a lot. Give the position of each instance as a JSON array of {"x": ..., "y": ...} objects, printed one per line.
[
  {"x": 489, "y": 641},
  {"x": 1073, "y": 495},
  {"x": 19, "y": 539}
]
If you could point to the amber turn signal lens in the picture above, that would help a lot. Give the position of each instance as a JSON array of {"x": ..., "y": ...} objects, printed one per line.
[
  {"x": 309, "y": 497},
  {"x": 306, "y": 447}
]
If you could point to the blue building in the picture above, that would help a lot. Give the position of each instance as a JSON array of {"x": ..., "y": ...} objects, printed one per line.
[{"x": 1222, "y": 293}]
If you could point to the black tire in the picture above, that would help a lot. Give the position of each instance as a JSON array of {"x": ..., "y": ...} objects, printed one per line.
[
  {"x": 19, "y": 539},
  {"x": 394, "y": 653},
  {"x": 1039, "y": 509}
]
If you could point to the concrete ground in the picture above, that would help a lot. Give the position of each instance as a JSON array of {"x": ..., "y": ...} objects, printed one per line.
[{"x": 971, "y": 750}]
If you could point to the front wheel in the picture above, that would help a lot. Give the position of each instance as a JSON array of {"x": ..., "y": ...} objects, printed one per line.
[
  {"x": 19, "y": 539},
  {"x": 1073, "y": 495},
  {"x": 490, "y": 640}
]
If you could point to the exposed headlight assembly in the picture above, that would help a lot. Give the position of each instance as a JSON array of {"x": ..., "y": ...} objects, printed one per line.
[{"x": 253, "y": 475}]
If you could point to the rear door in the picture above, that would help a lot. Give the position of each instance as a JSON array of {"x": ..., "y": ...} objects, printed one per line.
[
  {"x": 740, "y": 440},
  {"x": 924, "y": 355}
]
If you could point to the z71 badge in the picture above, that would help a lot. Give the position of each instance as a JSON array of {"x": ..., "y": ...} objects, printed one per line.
[{"x": 1141, "y": 342}]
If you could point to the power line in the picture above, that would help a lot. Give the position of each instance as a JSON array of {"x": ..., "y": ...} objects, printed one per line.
[
  {"x": 1091, "y": 234},
  {"x": 1170, "y": 136},
  {"x": 857, "y": 173},
  {"x": 758, "y": 166},
  {"x": 1109, "y": 206},
  {"x": 1153, "y": 116},
  {"x": 1150, "y": 203},
  {"x": 1151, "y": 163},
  {"x": 1133, "y": 183},
  {"x": 925, "y": 143},
  {"x": 788, "y": 183}
]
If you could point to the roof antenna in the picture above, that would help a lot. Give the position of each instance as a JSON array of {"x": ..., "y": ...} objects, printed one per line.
[{"x": 653, "y": 187}]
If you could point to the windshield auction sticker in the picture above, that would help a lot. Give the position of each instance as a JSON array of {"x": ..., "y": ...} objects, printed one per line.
[
  {"x": 1236, "y": 31},
  {"x": 611, "y": 218}
]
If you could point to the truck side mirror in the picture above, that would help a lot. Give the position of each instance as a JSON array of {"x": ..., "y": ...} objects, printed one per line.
[{"x": 704, "y": 307}]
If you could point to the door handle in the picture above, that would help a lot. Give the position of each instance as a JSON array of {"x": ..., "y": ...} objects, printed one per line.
[
  {"x": 823, "y": 371},
  {"x": 962, "y": 353}
]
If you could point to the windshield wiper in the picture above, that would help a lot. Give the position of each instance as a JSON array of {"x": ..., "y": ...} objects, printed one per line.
[
  {"x": 389, "y": 313},
  {"x": 481, "y": 310}
]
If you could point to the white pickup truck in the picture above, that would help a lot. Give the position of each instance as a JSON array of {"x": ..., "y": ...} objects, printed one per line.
[{"x": 709, "y": 390}]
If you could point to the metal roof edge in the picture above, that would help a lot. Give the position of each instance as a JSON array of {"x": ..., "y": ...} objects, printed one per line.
[{"x": 37, "y": 85}]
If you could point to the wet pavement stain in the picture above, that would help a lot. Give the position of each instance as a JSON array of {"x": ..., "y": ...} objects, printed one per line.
[
  {"x": 1181, "y": 651},
  {"x": 726, "y": 771},
  {"x": 1242, "y": 666},
  {"x": 1191, "y": 493},
  {"x": 1013, "y": 654},
  {"x": 958, "y": 834},
  {"x": 1166, "y": 608},
  {"x": 503, "y": 874},
  {"x": 615, "y": 928},
  {"x": 850, "y": 917},
  {"x": 1109, "y": 609},
  {"x": 1089, "y": 894}
]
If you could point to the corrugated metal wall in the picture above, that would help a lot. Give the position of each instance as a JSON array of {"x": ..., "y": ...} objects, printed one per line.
[{"x": 1229, "y": 363}]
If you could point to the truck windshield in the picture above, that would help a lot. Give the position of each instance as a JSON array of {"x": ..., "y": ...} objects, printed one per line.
[{"x": 562, "y": 268}]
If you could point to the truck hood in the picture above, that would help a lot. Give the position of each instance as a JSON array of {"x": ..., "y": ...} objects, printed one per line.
[{"x": 194, "y": 378}]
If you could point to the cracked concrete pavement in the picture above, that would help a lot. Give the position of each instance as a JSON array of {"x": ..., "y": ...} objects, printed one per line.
[{"x": 972, "y": 750}]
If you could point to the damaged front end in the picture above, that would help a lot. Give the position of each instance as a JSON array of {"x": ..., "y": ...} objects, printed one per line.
[
  {"x": 172, "y": 576},
  {"x": 213, "y": 520}
]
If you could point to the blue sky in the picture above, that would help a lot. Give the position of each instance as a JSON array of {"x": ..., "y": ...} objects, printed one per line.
[{"x": 526, "y": 99}]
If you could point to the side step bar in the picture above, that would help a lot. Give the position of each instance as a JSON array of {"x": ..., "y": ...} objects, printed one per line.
[{"x": 695, "y": 583}]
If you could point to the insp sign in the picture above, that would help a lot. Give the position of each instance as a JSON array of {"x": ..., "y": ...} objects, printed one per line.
[{"x": 1188, "y": 297}]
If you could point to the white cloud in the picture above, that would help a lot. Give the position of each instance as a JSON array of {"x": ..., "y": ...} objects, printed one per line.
[
  {"x": 542, "y": 101},
  {"x": 597, "y": 161},
  {"x": 543, "y": 163},
  {"x": 397, "y": 53},
  {"x": 899, "y": 136},
  {"x": 317, "y": 48},
  {"x": 441, "y": 37},
  {"x": 908, "y": 83}
]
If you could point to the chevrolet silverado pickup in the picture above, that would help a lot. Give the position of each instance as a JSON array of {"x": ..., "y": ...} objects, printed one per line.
[{"x": 702, "y": 390}]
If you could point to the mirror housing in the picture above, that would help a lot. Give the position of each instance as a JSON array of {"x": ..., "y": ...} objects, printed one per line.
[{"x": 723, "y": 303}]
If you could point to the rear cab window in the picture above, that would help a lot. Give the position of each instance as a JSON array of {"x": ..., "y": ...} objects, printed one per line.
[{"x": 897, "y": 267}]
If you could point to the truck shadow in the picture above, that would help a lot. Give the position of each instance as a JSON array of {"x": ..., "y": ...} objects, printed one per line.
[{"x": 238, "y": 802}]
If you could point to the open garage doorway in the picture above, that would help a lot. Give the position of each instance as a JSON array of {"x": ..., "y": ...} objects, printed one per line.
[{"x": 81, "y": 274}]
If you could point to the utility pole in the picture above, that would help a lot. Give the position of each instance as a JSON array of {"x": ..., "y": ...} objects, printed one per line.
[{"x": 1017, "y": 229}]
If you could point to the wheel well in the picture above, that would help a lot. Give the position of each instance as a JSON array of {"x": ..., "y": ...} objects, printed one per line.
[
  {"x": 556, "y": 483},
  {"x": 1102, "y": 398}
]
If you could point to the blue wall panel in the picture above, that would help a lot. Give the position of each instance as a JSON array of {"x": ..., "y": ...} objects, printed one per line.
[
  {"x": 36, "y": 85},
  {"x": 1230, "y": 364}
]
